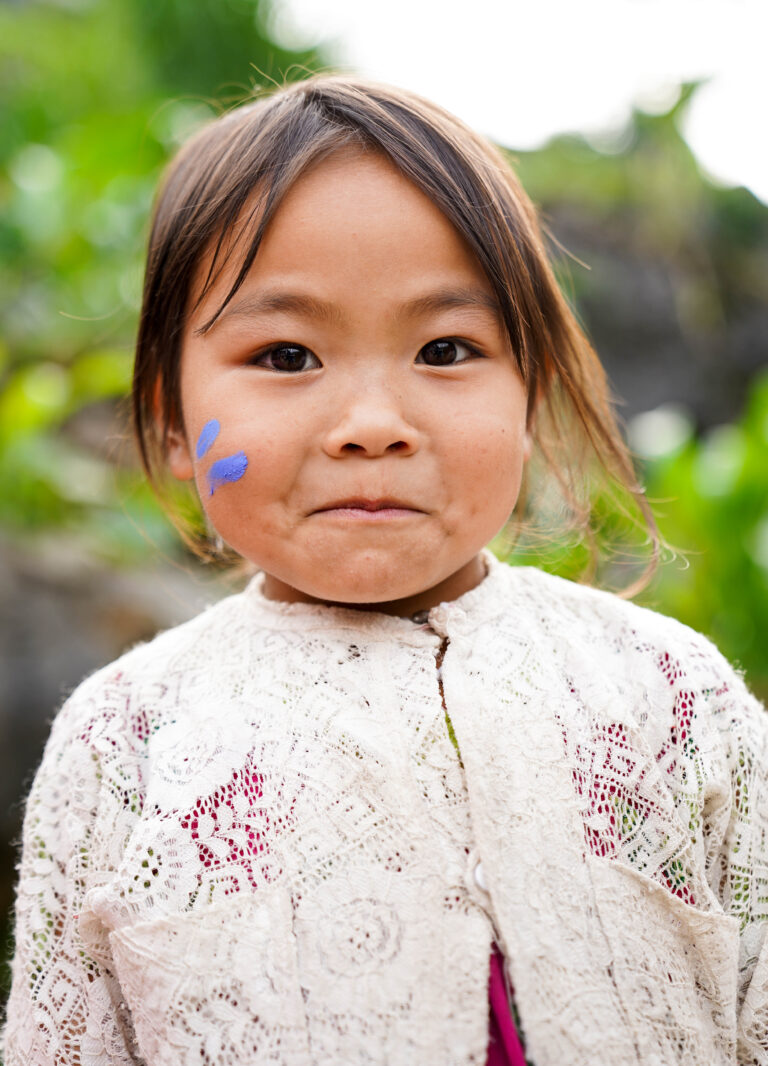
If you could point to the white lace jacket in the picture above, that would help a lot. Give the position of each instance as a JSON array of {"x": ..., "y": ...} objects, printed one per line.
[{"x": 252, "y": 841}]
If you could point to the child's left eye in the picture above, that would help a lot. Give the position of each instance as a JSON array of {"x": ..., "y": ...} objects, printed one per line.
[{"x": 445, "y": 352}]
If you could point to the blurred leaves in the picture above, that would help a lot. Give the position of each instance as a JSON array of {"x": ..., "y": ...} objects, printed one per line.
[
  {"x": 96, "y": 94},
  {"x": 675, "y": 295},
  {"x": 709, "y": 495},
  {"x": 711, "y": 500},
  {"x": 668, "y": 270}
]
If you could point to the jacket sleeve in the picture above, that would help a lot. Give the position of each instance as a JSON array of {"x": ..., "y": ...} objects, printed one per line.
[
  {"x": 746, "y": 875},
  {"x": 64, "y": 1007},
  {"x": 739, "y": 874}
]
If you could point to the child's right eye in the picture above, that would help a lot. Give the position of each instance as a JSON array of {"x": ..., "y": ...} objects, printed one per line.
[{"x": 287, "y": 359}]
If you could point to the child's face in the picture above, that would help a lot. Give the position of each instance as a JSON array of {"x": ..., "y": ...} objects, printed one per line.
[{"x": 355, "y": 421}]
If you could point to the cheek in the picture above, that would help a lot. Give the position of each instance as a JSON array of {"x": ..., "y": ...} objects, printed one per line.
[
  {"x": 489, "y": 467},
  {"x": 242, "y": 476}
]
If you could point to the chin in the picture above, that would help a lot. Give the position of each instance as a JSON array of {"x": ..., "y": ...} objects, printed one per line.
[
  {"x": 364, "y": 592},
  {"x": 368, "y": 582}
]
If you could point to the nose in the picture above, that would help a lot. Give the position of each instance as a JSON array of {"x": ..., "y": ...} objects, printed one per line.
[{"x": 371, "y": 424}]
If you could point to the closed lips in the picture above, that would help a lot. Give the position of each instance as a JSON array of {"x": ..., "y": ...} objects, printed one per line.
[{"x": 368, "y": 505}]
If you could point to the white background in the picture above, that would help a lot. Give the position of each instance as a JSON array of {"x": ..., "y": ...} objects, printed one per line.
[{"x": 522, "y": 71}]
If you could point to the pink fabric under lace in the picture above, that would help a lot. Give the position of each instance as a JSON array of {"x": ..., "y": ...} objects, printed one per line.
[{"x": 504, "y": 1047}]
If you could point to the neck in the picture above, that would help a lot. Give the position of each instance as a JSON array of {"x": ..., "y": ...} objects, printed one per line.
[{"x": 455, "y": 585}]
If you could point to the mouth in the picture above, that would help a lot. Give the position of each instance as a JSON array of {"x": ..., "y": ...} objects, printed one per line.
[{"x": 362, "y": 508}]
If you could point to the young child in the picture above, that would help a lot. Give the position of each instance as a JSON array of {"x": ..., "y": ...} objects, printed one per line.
[{"x": 303, "y": 826}]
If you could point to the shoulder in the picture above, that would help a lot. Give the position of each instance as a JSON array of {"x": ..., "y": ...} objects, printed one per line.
[
  {"x": 590, "y": 614},
  {"x": 558, "y": 598},
  {"x": 597, "y": 632},
  {"x": 629, "y": 664},
  {"x": 229, "y": 615},
  {"x": 134, "y": 692}
]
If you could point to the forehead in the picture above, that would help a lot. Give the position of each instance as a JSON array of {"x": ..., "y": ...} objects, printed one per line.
[{"x": 352, "y": 218}]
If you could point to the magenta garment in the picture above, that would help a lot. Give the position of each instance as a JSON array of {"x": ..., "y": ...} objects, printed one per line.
[{"x": 504, "y": 1047}]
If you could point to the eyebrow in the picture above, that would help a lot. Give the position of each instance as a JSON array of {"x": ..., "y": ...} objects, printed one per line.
[
  {"x": 277, "y": 301},
  {"x": 448, "y": 299}
]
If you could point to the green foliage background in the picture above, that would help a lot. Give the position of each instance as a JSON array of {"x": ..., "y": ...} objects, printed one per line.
[
  {"x": 709, "y": 498},
  {"x": 644, "y": 191},
  {"x": 95, "y": 96},
  {"x": 97, "y": 93}
]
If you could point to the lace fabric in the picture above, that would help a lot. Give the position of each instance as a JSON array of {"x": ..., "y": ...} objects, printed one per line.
[{"x": 251, "y": 840}]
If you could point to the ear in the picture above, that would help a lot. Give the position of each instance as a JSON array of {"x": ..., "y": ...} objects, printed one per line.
[
  {"x": 177, "y": 452},
  {"x": 178, "y": 455}
]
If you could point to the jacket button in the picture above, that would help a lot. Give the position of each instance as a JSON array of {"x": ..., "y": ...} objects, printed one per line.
[{"x": 480, "y": 878}]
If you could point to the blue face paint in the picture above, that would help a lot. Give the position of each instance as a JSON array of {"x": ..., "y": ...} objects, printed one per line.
[
  {"x": 208, "y": 435},
  {"x": 230, "y": 468}
]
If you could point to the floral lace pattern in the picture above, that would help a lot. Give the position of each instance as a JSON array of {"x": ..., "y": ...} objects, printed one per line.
[{"x": 252, "y": 840}]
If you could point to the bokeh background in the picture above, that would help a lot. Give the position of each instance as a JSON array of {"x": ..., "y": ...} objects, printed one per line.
[{"x": 666, "y": 265}]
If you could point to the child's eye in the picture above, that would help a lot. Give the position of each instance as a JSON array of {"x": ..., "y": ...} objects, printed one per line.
[
  {"x": 287, "y": 359},
  {"x": 446, "y": 353}
]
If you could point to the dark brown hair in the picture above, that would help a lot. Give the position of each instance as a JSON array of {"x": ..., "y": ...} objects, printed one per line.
[{"x": 207, "y": 205}]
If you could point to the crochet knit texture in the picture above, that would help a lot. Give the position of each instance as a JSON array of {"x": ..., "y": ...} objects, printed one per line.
[{"x": 252, "y": 840}]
